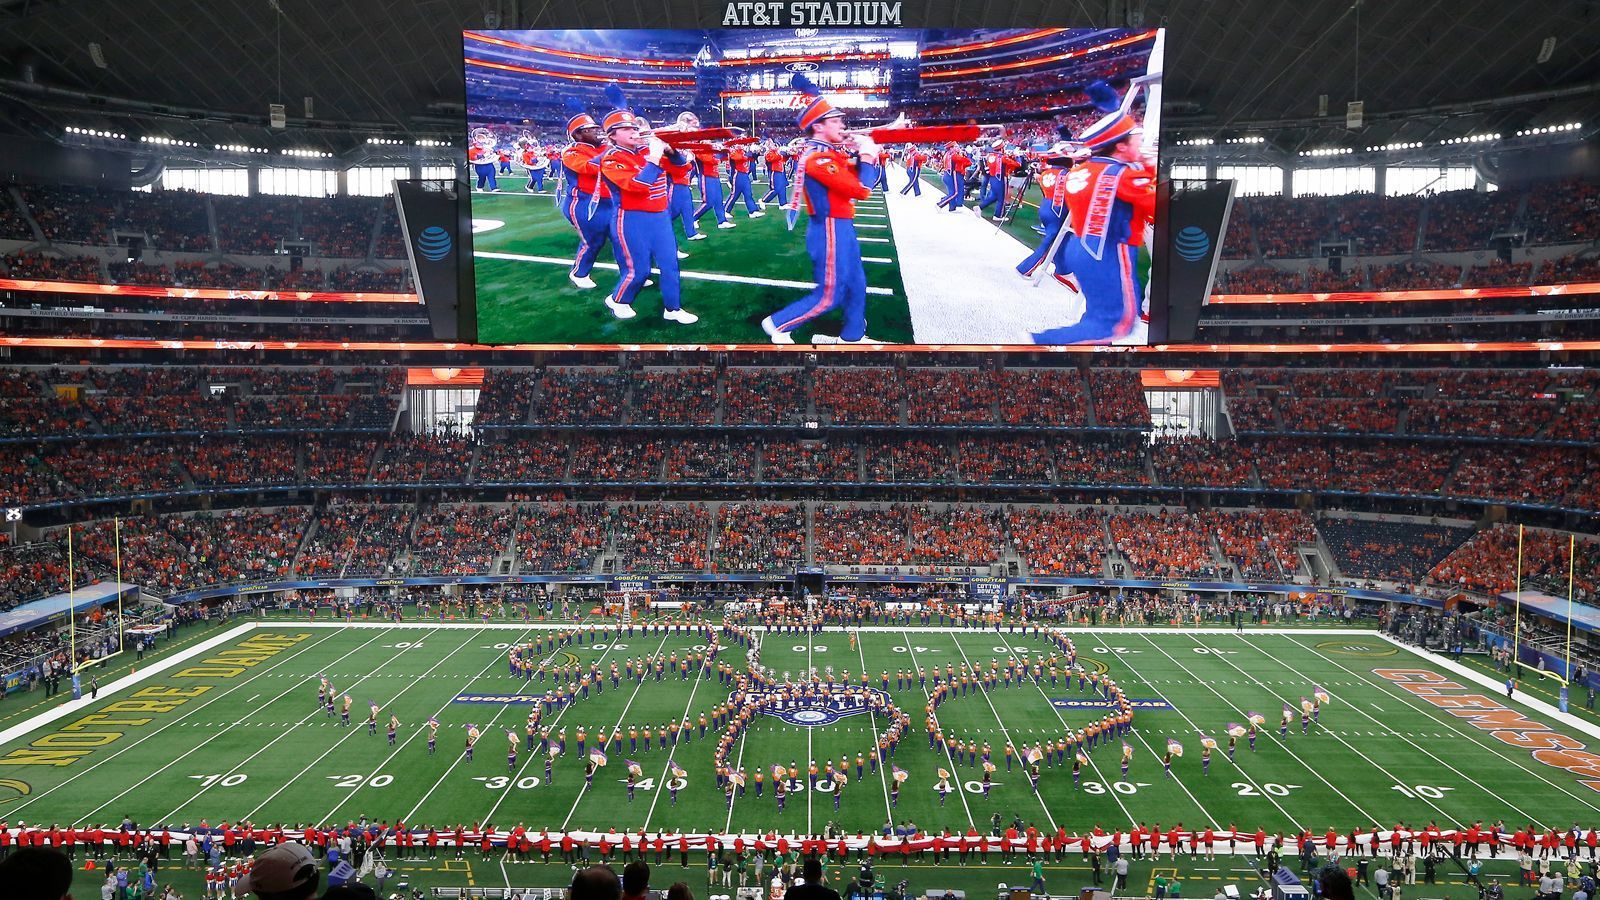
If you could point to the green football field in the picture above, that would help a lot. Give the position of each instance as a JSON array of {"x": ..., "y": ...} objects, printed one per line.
[
  {"x": 234, "y": 733},
  {"x": 731, "y": 280}
]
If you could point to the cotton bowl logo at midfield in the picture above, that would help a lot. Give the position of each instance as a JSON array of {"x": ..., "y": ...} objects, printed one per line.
[
  {"x": 434, "y": 243},
  {"x": 815, "y": 712},
  {"x": 1193, "y": 243}
]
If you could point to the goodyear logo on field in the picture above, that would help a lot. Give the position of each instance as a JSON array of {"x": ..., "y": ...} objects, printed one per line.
[
  {"x": 496, "y": 698},
  {"x": 1092, "y": 703}
]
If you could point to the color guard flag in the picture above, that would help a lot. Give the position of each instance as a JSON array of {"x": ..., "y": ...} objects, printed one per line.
[
  {"x": 1236, "y": 730},
  {"x": 1210, "y": 743},
  {"x": 1321, "y": 695},
  {"x": 901, "y": 774},
  {"x": 597, "y": 757},
  {"x": 1256, "y": 719},
  {"x": 1173, "y": 747}
]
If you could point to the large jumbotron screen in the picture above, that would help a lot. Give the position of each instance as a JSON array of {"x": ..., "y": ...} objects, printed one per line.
[{"x": 760, "y": 187}]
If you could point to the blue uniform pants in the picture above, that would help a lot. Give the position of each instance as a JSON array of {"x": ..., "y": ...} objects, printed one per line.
[
  {"x": 711, "y": 199},
  {"x": 780, "y": 189},
  {"x": 536, "y": 179},
  {"x": 742, "y": 191},
  {"x": 1112, "y": 291},
  {"x": 955, "y": 188},
  {"x": 841, "y": 279},
  {"x": 681, "y": 208},
  {"x": 644, "y": 239},
  {"x": 593, "y": 225},
  {"x": 994, "y": 193},
  {"x": 914, "y": 186},
  {"x": 486, "y": 177},
  {"x": 1050, "y": 217}
]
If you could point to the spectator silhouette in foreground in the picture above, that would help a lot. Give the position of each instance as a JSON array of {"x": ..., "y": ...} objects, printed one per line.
[
  {"x": 286, "y": 872},
  {"x": 37, "y": 873},
  {"x": 813, "y": 889},
  {"x": 595, "y": 883}
]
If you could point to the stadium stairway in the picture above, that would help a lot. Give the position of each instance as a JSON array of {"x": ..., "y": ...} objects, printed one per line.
[{"x": 15, "y": 193}]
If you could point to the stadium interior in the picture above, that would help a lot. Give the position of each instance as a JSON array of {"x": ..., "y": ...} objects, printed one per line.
[{"x": 218, "y": 386}]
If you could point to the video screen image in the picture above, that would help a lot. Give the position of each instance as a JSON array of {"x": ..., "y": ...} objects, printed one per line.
[{"x": 764, "y": 187}]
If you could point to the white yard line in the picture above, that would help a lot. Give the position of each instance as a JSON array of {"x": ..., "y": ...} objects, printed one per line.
[
  {"x": 462, "y": 755},
  {"x": 1386, "y": 729},
  {"x": 197, "y": 650},
  {"x": 666, "y": 772},
  {"x": 1007, "y": 733},
  {"x": 685, "y": 274},
  {"x": 1333, "y": 734},
  {"x": 401, "y": 745},
  {"x": 1285, "y": 744},
  {"x": 961, "y": 788},
  {"x": 234, "y": 769},
  {"x": 1438, "y": 715},
  {"x": 873, "y": 719},
  {"x": 728, "y": 826},
  {"x": 553, "y": 723},
  {"x": 811, "y": 756},
  {"x": 644, "y": 676},
  {"x": 1107, "y": 780}
]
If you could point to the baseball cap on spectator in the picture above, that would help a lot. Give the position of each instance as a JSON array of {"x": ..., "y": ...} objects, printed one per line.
[
  {"x": 286, "y": 872},
  {"x": 37, "y": 873}
]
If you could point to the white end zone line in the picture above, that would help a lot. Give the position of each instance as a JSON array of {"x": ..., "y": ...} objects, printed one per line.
[
  {"x": 692, "y": 276},
  {"x": 1542, "y": 706},
  {"x": 73, "y": 707}
]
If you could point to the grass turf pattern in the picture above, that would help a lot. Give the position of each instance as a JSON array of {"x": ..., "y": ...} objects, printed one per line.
[{"x": 253, "y": 745}]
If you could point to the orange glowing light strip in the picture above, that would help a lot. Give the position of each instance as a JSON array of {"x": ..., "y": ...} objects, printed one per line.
[
  {"x": 437, "y": 377},
  {"x": 443, "y": 347},
  {"x": 802, "y": 57},
  {"x": 1030, "y": 63},
  {"x": 1156, "y": 379},
  {"x": 578, "y": 76},
  {"x": 989, "y": 45},
  {"x": 869, "y": 90},
  {"x": 574, "y": 54},
  {"x": 1483, "y": 293},
  {"x": 145, "y": 290}
]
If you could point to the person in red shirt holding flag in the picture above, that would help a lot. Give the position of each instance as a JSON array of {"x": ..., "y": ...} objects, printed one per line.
[
  {"x": 739, "y": 163},
  {"x": 641, "y": 227},
  {"x": 1110, "y": 198},
  {"x": 833, "y": 171}
]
